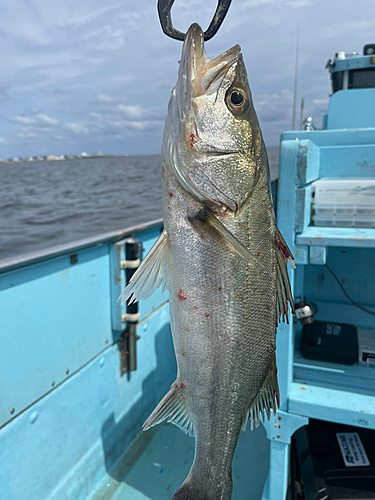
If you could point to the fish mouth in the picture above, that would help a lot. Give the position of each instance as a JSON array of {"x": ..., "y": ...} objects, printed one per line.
[{"x": 204, "y": 74}]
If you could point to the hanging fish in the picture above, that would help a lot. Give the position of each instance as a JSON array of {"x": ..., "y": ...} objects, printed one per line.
[{"x": 223, "y": 261}]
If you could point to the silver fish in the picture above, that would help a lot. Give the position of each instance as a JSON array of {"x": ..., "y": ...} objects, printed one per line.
[{"x": 223, "y": 261}]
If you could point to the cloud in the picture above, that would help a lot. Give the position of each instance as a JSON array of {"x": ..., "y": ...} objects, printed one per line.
[
  {"x": 39, "y": 121},
  {"x": 24, "y": 120},
  {"x": 3, "y": 141},
  {"x": 26, "y": 133},
  {"x": 296, "y": 4},
  {"x": 106, "y": 38},
  {"x": 45, "y": 120},
  {"x": 104, "y": 98},
  {"x": 319, "y": 102},
  {"x": 77, "y": 128},
  {"x": 135, "y": 111}
]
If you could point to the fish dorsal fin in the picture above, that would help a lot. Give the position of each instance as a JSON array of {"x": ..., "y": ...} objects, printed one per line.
[
  {"x": 267, "y": 398},
  {"x": 172, "y": 408},
  {"x": 284, "y": 292},
  {"x": 152, "y": 272},
  {"x": 208, "y": 226}
]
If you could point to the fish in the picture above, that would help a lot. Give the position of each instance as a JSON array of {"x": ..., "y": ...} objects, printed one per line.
[{"x": 223, "y": 261}]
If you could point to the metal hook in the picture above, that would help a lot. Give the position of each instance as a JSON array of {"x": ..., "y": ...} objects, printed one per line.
[{"x": 164, "y": 10}]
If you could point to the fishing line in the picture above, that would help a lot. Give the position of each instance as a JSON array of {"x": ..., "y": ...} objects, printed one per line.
[{"x": 346, "y": 294}]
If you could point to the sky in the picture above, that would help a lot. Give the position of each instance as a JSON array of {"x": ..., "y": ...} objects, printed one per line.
[{"x": 90, "y": 75}]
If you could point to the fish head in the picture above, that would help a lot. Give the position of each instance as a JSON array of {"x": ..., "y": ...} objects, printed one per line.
[{"x": 212, "y": 139}]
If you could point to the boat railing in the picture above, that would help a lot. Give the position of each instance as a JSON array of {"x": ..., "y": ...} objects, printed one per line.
[{"x": 76, "y": 246}]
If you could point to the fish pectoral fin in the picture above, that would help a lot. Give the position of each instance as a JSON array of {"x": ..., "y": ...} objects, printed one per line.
[
  {"x": 267, "y": 398},
  {"x": 152, "y": 272},
  {"x": 173, "y": 409},
  {"x": 208, "y": 226},
  {"x": 284, "y": 292}
]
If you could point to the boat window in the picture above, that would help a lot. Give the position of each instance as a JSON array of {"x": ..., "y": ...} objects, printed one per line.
[{"x": 362, "y": 78}]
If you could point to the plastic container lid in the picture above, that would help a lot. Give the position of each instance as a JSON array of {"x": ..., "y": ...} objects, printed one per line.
[{"x": 346, "y": 192}]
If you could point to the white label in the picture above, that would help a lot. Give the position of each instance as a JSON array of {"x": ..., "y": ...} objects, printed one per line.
[
  {"x": 352, "y": 450},
  {"x": 333, "y": 329}
]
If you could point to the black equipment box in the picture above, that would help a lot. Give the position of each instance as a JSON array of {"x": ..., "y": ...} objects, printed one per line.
[
  {"x": 333, "y": 342},
  {"x": 333, "y": 462}
]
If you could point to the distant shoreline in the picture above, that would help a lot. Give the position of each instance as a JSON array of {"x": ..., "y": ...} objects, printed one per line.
[{"x": 16, "y": 161}]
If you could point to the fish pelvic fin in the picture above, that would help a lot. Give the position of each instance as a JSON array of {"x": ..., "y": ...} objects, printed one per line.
[
  {"x": 207, "y": 225},
  {"x": 173, "y": 409},
  {"x": 284, "y": 292},
  {"x": 152, "y": 272},
  {"x": 267, "y": 399}
]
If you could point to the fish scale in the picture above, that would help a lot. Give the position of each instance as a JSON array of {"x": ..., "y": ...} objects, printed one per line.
[{"x": 223, "y": 261}]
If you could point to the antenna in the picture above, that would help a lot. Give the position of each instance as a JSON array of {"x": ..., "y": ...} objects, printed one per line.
[
  {"x": 301, "y": 113},
  {"x": 295, "y": 82}
]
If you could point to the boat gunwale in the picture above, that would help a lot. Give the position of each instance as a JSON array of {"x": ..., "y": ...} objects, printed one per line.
[{"x": 37, "y": 256}]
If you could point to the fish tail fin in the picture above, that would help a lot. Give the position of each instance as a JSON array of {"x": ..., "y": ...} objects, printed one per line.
[
  {"x": 191, "y": 490},
  {"x": 188, "y": 492}
]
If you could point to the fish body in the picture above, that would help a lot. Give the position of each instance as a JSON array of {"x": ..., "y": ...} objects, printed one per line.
[{"x": 223, "y": 261}]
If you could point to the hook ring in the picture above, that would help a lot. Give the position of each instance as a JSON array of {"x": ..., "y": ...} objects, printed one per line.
[{"x": 165, "y": 16}]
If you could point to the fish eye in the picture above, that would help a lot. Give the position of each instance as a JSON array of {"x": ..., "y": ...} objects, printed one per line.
[{"x": 237, "y": 100}]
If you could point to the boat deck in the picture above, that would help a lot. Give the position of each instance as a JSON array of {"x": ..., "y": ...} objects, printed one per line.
[{"x": 160, "y": 459}]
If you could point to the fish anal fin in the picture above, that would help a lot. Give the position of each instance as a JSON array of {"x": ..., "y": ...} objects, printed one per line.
[
  {"x": 284, "y": 292},
  {"x": 209, "y": 227},
  {"x": 152, "y": 272},
  {"x": 173, "y": 409},
  {"x": 283, "y": 247},
  {"x": 267, "y": 399}
]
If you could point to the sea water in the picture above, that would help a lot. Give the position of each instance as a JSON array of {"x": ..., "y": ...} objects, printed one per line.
[{"x": 43, "y": 204}]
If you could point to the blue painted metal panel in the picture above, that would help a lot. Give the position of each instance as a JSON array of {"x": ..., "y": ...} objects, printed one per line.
[
  {"x": 71, "y": 439},
  {"x": 304, "y": 157},
  {"x": 329, "y": 138},
  {"x": 353, "y": 378},
  {"x": 342, "y": 407},
  {"x": 164, "y": 455},
  {"x": 337, "y": 237},
  {"x": 308, "y": 161},
  {"x": 348, "y": 161},
  {"x": 357, "y": 62},
  {"x": 354, "y": 268},
  {"x": 55, "y": 317},
  {"x": 318, "y": 255}
]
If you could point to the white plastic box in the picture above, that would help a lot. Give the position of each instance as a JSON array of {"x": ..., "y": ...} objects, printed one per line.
[
  {"x": 344, "y": 203},
  {"x": 366, "y": 347}
]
